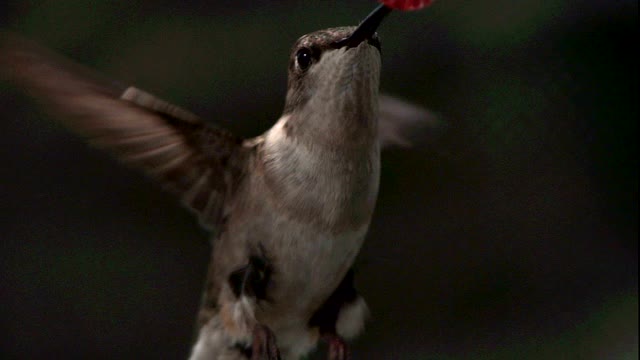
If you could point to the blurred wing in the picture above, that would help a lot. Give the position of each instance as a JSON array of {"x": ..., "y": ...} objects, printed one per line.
[
  {"x": 403, "y": 124},
  {"x": 197, "y": 162}
]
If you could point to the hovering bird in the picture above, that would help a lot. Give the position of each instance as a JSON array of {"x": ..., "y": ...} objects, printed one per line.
[{"x": 288, "y": 210}]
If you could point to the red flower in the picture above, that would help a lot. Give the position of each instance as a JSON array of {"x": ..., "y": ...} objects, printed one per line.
[{"x": 406, "y": 4}]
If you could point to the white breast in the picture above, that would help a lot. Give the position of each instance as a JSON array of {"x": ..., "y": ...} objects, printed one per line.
[{"x": 340, "y": 189}]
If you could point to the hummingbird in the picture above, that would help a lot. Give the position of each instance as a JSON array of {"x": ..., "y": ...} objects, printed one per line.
[{"x": 288, "y": 210}]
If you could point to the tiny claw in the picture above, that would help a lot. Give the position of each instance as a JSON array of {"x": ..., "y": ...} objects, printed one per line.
[
  {"x": 264, "y": 344},
  {"x": 338, "y": 348}
]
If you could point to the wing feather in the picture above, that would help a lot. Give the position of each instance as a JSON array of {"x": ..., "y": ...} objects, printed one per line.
[
  {"x": 403, "y": 124},
  {"x": 199, "y": 163}
]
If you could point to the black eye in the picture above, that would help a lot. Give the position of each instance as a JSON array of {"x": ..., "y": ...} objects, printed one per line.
[{"x": 304, "y": 58}]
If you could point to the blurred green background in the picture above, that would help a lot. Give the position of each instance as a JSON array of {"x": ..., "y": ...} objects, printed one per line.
[{"x": 512, "y": 236}]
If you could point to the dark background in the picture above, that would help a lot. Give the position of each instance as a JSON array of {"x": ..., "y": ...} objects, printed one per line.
[{"x": 512, "y": 236}]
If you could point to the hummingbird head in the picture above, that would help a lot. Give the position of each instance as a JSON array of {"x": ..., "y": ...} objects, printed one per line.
[{"x": 334, "y": 75}]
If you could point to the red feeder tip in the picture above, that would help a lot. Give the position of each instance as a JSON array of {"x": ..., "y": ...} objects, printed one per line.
[{"x": 406, "y": 5}]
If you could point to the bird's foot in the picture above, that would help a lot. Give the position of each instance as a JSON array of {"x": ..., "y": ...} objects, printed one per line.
[
  {"x": 338, "y": 348},
  {"x": 264, "y": 345}
]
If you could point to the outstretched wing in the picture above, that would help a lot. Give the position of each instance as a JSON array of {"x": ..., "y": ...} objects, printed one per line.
[
  {"x": 404, "y": 124},
  {"x": 197, "y": 162}
]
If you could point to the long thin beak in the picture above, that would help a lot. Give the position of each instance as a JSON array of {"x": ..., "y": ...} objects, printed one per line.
[{"x": 366, "y": 29}]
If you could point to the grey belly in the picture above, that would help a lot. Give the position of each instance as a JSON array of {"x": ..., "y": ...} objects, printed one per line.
[{"x": 307, "y": 263}]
